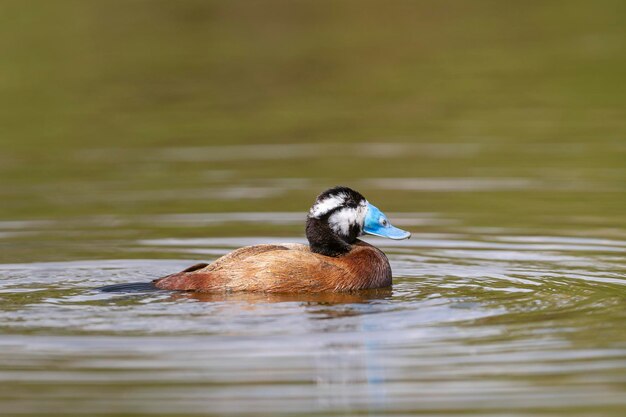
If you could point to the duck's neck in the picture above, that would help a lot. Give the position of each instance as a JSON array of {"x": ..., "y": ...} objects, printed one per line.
[{"x": 323, "y": 240}]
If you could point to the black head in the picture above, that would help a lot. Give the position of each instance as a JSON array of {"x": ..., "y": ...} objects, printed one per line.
[{"x": 335, "y": 221}]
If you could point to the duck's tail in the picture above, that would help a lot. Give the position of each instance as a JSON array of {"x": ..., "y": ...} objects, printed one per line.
[
  {"x": 130, "y": 287},
  {"x": 148, "y": 286}
]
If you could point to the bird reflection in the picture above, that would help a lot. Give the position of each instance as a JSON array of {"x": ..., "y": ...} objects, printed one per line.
[{"x": 355, "y": 297}]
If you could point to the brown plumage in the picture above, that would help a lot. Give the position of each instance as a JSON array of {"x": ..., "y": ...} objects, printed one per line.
[{"x": 286, "y": 268}]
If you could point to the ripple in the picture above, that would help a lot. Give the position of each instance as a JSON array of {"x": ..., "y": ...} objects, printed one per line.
[{"x": 469, "y": 315}]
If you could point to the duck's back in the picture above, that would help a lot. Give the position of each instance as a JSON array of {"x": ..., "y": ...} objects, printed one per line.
[{"x": 286, "y": 267}]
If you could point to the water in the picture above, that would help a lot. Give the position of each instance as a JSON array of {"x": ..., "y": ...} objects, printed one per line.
[
  {"x": 494, "y": 133},
  {"x": 480, "y": 321}
]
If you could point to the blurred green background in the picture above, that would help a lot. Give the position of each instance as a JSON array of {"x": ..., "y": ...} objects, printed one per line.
[{"x": 491, "y": 113}]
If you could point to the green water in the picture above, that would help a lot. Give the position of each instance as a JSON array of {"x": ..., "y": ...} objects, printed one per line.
[{"x": 139, "y": 137}]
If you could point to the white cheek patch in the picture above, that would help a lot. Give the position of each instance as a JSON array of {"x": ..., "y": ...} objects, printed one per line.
[
  {"x": 361, "y": 212},
  {"x": 329, "y": 203},
  {"x": 341, "y": 220}
]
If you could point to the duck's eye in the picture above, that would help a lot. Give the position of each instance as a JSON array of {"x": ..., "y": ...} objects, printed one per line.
[{"x": 383, "y": 222}]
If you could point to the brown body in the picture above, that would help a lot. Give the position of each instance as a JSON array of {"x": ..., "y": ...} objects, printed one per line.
[{"x": 285, "y": 268}]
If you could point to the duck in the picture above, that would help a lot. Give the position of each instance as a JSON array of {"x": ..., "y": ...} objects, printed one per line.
[{"x": 335, "y": 260}]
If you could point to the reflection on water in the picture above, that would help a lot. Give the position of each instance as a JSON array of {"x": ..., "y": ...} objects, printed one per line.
[
  {"x": 505, "y": 301},
  {"x": 481, "y": 322}
]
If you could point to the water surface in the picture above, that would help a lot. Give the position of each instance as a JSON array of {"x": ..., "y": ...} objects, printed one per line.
[{"x": 479, "y": 321}]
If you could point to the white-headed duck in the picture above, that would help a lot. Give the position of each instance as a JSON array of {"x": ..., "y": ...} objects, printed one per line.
[{"x": 334, "y": 261}]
